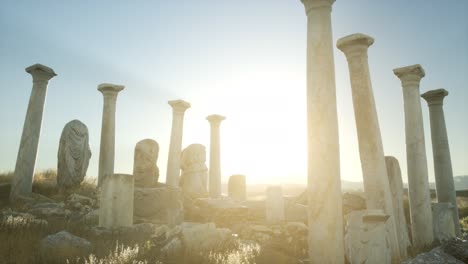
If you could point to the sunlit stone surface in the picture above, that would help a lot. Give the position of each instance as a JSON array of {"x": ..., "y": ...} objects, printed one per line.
[
  {"x": 116, "y": 204},
  {"x": 194, "y": 176},
  {"x": 215, "y": 156},
  {"x": 396, "y": 187},
  {"x": 324, "y": 186},
  {"x": 366, "y": 237},
  {"x": 26, "y": 161},
  {"x": 274, "y": 204},
  {"x": 73, "y": 154},
  {"x": 175, "y": 146},
  {"x": 237, "y": 187},
  {"x": 107, "y": 148},
  {"x": 374, "y": 170},
  {"x": 418, "y": 182},
  {"x": 145, "y": 170},
  {"x": 441, "y": 152}
]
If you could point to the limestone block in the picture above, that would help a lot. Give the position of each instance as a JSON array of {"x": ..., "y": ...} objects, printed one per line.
[
  {"x": 194, "y": 176},
  {"x": 116, "y": 201},
  {"x": 442, "y": 214},
  {"x": 366, "y": 237},
  {"x": 274, "y": 204},
  {"x": 63, "y": 246},
  {"x": 145, "y": 170},
  {"x": 158, "y": 205},
  {"x": 73, "y": 154},
  {"x": 237, "y": 187}
]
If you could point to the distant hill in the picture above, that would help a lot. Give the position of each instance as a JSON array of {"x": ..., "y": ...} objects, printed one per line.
[{"x": 461, "y": 182}]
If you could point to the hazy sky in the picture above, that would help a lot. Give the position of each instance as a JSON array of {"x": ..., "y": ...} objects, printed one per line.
[{"x": 244, "y": 59}]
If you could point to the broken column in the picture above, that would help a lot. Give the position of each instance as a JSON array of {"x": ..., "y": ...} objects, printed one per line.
[
  {"x": 145, "y": 170},
  {"x": 445, "y": 186},
  {"x": 175, "y": 146},
  {"x": 194, "y": 171},
  {"x": 324, "y": 184},
  {"x": 215, "y": 156},
  {"x": 21, "y": 184},
  {"x": 396, "y": 188},
  {"x": 374, "y": 170},
  {"x": 366, "y": 237},
  {"x": 237, "y": 187},
  {"x": 116, "y": 203},
  {"x": 418, "y": 182},
  {"x": 442, "y": 215},
  {"x": 274, "y": 205},
  {"x": 107, "y": 148}
]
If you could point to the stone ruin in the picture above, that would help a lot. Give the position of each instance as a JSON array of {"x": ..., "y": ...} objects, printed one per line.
[
  {"x": 145, "y": 170},
  {"x": 237, "y": 187},
  {"x": 73, "y": 155},
  {"x": 194, "y": 177}
]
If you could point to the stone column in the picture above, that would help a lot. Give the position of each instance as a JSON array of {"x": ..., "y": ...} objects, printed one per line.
[
  {"x": 274, "y": 205},
  {"x": 396, "y": 188},
  {"x": 175, "y": 146},
  {"x": 116, "y": 204},
  {"x": 107, "y": 148},
  {"x": 374, "y": 170},
  {"x": 237, "y": 188},
  {"x": 215, "y": 156},
  {"x": 441, "y": 153},
  {"x": 442, "y": 215},
  {"x": 26, "y": 161},
  {"x": 418, "y": 182},
  {"x": 324, "y": 184}
]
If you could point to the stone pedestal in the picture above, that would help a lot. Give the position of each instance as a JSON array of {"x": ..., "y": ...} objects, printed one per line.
[
  {"x": 215, "y": 156},
  {"x": 376, "y": 185},
  {"x": 442, "y": 215},
  {"x": 73, "y": 155},
  {"x": 116, "y": 204},
  {"x": 396, "y": 187},
  {"x": 237, "y": 188},
  {"x": 324, "y": 185},
  {"x": 26, "y": 161},
  {"x": 366, "y": 237},
  {"x": 440, "y": 148},
  {"x": 194, "y": 171},
  {"x": 107, "y": 148},
  {"x": 175, "y": 146},
  {"x": 418, "y": 182},
  {"x": 274, "y": 205},
  {"x": 145, "y": 170}
]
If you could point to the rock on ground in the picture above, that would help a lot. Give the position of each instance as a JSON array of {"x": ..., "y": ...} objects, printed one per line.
[{"x": 62, "y": 246}]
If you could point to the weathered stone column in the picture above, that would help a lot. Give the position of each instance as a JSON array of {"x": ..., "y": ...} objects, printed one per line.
[
  {"x": 441, "y": 152},
  {"x": 107, "y": 149},
  {"x": 324, "y": 186},
  {"x": 274, "y": 205},
  {"x": 237, "y": 187},
  {"x": 418, "y": 182},
  {"x": 116, "y": 204},
  {"x": 374, "y": 170},
  {"x": 175, "y": 146},
  {"x": 215, "y": 156},
  {"x": 396, "y": 187},
  {"x": 26, "y": 161},
  {"x": 442, "y": 216}
]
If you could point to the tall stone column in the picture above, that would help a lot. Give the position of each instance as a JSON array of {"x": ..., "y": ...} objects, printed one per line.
[
  {"x": 374, "y": 170},
  {"x": 441, "y": 152},
  {"x": 396, "y": 187},
  {"x": 26, "y": 161},
  {"x": 215, "y": 156},
  {"x": 418, "y": 182},
  {"x": 107, "y": 148},
  {"x": 175, "y": 147},
  {"x": 325, "y": 212}
]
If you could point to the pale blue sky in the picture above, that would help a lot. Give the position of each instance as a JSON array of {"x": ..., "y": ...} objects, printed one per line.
[{"x": 243, "y": 59}]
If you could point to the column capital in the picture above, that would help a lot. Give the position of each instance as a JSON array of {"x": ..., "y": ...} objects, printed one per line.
[
  {"x": 435, "y": 97},
  {"x": 215, "y": 119},
  {"x": 354, "y": 44},
  {"x": 40, "y": 72},
  {"x": 314, "y": 4},
  {"x": 108, "y": 89},
  {"x": 410, "y": 74},
  {"x": 179, "y": 106}
]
